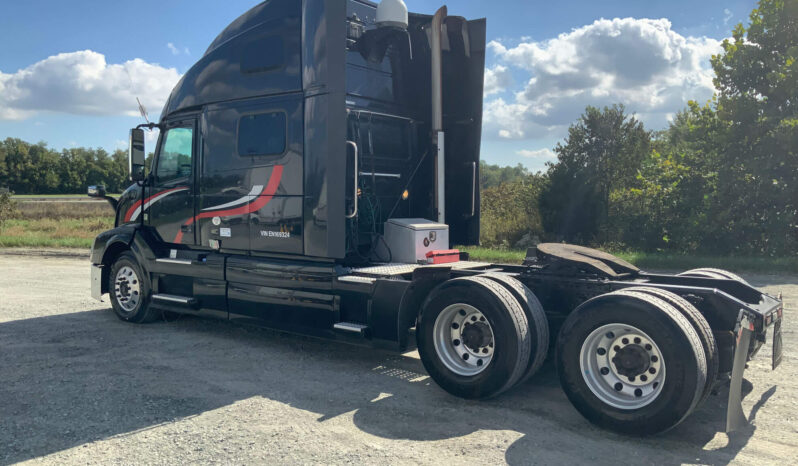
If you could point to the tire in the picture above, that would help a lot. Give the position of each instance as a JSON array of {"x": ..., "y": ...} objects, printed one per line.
[
  {"x": 460, "y": 321},
  {"x": 538, "y": 324},
  {"x": 707, "y": 272},
  {"x": 700, "y": 325},
  {"x": 131, "y": 303},
  {"x": 651, "y": 334}
]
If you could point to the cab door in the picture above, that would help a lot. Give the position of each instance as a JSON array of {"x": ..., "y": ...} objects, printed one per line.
[{"x": 169, "y": 202}]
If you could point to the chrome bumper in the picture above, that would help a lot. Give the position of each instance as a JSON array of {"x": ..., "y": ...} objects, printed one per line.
[{"x": 97, "y": 282}]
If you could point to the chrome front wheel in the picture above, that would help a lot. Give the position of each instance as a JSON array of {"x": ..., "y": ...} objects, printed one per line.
[{"x": 127, "y": 288}]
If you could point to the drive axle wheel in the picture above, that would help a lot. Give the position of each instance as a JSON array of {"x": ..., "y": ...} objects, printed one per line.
[
  {"x": 623, "y": 366},
  {"x": 129, "y": 289},
  {"x": 631, "y": 362},
  {"x": 473, "y": 337}
]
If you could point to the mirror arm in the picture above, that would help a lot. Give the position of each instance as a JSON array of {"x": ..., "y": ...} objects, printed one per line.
[
  {"x": 114, "y": 202},
  {"x": 149, "y": 126}
]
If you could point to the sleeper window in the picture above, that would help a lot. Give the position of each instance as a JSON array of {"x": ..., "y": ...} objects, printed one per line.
[{"x": 262, "y": 134}]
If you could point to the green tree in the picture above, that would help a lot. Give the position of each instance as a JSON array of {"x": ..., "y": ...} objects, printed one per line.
[
  {"x": 757, "y": 82},
  {"x": 603, "y": 152}
]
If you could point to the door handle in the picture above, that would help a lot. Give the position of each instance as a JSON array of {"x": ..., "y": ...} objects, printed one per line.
[{"x": 357, "y": 174}]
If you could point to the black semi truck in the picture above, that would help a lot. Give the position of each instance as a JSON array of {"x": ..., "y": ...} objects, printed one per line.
[{"x": 313, "y": 169}]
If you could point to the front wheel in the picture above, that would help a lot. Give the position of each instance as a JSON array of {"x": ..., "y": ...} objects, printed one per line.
[
  {"x": 129, "y": 289},
  {"x": 630, "y": 362}
]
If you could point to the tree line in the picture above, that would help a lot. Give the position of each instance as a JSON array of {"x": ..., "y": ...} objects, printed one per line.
[{"x": 722, "y": 178}]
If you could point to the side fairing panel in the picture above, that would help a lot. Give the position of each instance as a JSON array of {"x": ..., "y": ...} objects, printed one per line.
[
  {"x": 323, "y": 73},
  {"x": 463, "y": 81}
]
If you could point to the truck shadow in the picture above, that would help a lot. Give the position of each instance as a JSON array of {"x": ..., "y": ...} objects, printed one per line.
[{"x": 70, "y": 379}]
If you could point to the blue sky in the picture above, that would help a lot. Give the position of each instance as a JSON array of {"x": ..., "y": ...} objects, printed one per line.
[{"x": 69, "y": 70}]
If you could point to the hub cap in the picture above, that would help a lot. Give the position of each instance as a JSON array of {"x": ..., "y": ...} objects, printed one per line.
[
  {"x": 463, "y": 339},
  {"x": 127, "y": 289},
  {"x": 622, "y": 366}
]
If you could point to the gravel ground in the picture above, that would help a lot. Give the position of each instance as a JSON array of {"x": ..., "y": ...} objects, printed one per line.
[{"x": 79, "y": 386}]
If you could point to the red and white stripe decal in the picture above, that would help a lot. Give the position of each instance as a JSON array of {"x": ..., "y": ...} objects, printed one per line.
[
  {"x": 136, "y": 209},
  {"x": 263, "y": 197},
  {"x": 256, "y": 190}
]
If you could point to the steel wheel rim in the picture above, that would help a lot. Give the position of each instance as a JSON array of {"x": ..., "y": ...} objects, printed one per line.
[
  {"x": 127, "y": 288},
  {"x": 605, "y": 358},
  {"x": 464, "y": 339}
]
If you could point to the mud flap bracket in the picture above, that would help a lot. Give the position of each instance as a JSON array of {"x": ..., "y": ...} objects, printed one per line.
[{"x": 735, "y": 418}]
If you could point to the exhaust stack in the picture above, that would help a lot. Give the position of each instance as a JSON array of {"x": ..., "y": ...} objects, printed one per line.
[{"x": 437, "y": 112}]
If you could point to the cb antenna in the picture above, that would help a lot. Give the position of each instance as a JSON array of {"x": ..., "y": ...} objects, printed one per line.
[{"x": 143, "y": 111}]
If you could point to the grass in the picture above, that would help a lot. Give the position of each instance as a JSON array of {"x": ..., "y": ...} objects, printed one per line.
[
  {"x": 48, "y": 232},
  {"x": 660, "y": 261}
]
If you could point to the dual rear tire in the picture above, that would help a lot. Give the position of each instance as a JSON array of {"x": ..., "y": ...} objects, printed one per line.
[
  {"x": 479, "y": 336},
  {"x": 636, "y": 361}
]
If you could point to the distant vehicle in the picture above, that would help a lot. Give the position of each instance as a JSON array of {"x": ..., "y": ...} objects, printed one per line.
[{"x": 313, "y": 169}]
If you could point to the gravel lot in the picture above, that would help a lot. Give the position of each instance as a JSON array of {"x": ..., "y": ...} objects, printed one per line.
[{"x": 79, "y": 386}]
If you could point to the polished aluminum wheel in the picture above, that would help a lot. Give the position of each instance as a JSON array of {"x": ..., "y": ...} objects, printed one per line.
[
  {"x": 463, "y": 339},
  {"x": 622, "y": 366},
  {"x": 127, "y": 289}
]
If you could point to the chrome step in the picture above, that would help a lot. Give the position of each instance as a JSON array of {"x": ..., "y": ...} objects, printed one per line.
[
  {"x": 170, "y": 298},
  {"x": 351, "y": 327}
]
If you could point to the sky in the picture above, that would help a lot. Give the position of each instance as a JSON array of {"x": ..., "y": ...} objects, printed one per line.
[{"x": 70, "y": 72}]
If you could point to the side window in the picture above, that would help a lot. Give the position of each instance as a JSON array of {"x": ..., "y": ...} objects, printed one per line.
[
  {"x": 174, "y": 161},
  {"x": 262, "y": 134}
]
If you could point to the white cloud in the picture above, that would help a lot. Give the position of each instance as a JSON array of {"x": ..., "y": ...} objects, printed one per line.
[
  {"x": 727, "y": 16},
  {"x": 641, "y": 63},
  {"x": 82, "y": 83},
  {"x": 176, "y": 50},
  {"x": 537, "y": 154},
  {"x": 497, "y": 79}
]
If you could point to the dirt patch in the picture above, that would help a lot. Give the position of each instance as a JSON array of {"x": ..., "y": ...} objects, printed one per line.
[{"x": 79, "y": 386}]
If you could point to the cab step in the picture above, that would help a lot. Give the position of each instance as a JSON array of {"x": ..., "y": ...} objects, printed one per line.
[
  {"x": 351, "y": 327},
  {"x": 171, "y": 299}
]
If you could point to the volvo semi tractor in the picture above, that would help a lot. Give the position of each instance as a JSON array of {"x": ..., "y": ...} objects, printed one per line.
[{"x": 313, "y": 170}]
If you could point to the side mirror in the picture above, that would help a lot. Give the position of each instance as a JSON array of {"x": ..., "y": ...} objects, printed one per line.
[
  {"x": 97, "y": 191},
  {"x": 136, "y": 155}
]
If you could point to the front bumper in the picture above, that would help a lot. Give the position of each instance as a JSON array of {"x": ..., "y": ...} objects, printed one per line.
[{"x": 97, "y": 282}]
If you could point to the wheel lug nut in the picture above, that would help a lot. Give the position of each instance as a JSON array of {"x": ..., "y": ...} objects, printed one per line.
[
  {"x": 465, "y": 356},
  {"x": 482, "y": 319},
  {"x": 637, "y": 340},
  {"x": 638, "y": 392},
  {"x": 651, "y": 370},
  {"x": 648, "y": 347},
  {"x": 601, "y": 351},
  {"x": 625, "y": 341},
  {"x": 462, "y": 312},
  {"x": 616, "y": 348},
  {"x": 632, "y": 378},
  {"x": 484, "y": 350},
  {"x": 654, "y": 359},
  {"x": 643, "y": 378},
  {"x": 618, "y": 386},
  {"x": 605, "y": 370},
  {"x": 610, "y": 335},
  {"x": 456, "y": 342},
  {"x": 479, "y": 362},
  {"x": 455, "y": 325}
]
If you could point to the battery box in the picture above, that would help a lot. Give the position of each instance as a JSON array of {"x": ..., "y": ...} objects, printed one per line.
[{"x": 410, "y": 239}]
